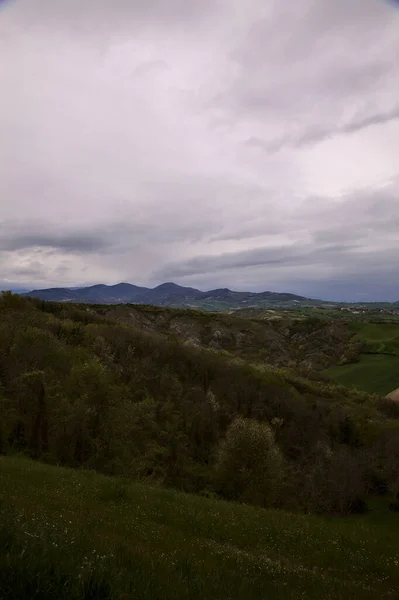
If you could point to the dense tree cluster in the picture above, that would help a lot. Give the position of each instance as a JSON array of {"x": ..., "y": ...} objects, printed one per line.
[{"x": 79, "y": 389}]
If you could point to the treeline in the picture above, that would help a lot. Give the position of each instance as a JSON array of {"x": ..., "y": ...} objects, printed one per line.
[{"x": 78, "y": 389}]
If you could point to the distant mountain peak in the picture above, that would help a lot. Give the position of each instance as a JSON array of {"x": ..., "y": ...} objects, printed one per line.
[{"x": 169, "y": 285}]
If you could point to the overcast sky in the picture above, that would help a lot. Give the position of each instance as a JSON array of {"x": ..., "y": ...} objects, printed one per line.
[{"x": 252, "y": 144}]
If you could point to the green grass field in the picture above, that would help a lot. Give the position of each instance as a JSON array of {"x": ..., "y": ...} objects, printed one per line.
[
  {"x": 377, "y": 331},
  {"x": 74, "y": 534},
  {"x": 380, "y": 337},
  {"x": 374, "y": 373},
  {"x": 377, "y": 371}
]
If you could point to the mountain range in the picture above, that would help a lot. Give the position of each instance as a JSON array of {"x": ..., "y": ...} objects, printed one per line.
[
  {"x": 177, "y": 296},
  {"x": 166, "y": 294}
]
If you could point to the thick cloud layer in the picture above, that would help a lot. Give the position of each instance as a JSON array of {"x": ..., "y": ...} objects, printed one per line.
[{"x": 250, "y": 144}]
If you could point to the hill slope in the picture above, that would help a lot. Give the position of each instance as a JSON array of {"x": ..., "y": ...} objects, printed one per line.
[{"x": 155, "y": 544}]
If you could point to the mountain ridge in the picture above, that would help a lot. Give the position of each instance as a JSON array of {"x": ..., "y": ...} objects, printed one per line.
[
  {"x": 176, "y": 296},
  {"x": 165, "y": 294}
]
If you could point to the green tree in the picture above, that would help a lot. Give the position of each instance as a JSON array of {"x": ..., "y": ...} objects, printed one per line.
[{"x": 249, "y": 466}]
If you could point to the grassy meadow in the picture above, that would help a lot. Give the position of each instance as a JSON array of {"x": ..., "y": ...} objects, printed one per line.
[
  {"x": 377, "y": 371},
  {"x": 374, "y": 373},
  {"x": 380, "y": 337},
  {"x": 73, "y": 534}
]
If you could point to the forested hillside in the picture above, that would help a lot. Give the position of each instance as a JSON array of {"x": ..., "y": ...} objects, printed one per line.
[
  {"x": 80, "y": 388},
  {"x": 303, "y": 344}
]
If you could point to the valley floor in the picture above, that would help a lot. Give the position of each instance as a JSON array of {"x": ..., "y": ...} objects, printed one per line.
[{"x": 74, "y": 534}]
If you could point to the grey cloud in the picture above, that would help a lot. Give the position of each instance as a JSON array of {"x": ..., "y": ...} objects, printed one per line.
[
  {"x": 288, "y": 256},
  {"x": 121, "y": 16},
  {"x": 128, "y": 233},
  {"x": 317, "y": 134},
  {"x": 324, "y": 64},
  {"x": 357, "y": 234},
  {"x": 330, "y": 273},
  {"x": 149, "y": 67},
  {"x": 369, "y": 285},
  {"x": 27, "y": 236},
  {"x": 356, "y": 124},
  {"x": 30, "y": 273},
  {"x": 131, "y": 134},
  {"x": 313, "y": 134},
  {"x": 361, "y": 215},
  {"x": 259, "y": 227},
  {"x": 374, "y": 119},
  {"x": 269, "y": 146},
  {"x": 357, "y": 212}
]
